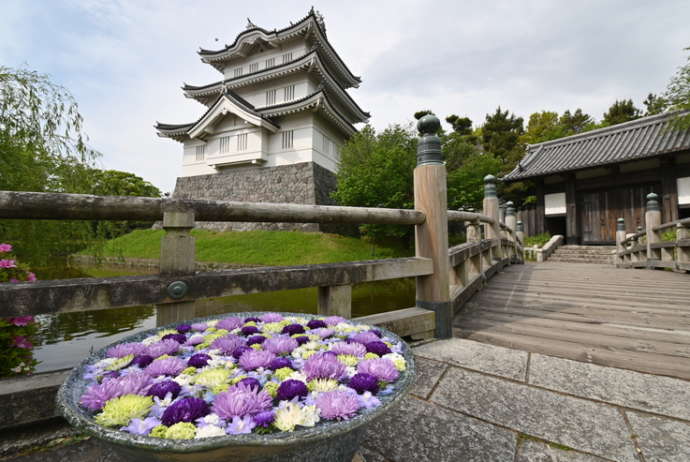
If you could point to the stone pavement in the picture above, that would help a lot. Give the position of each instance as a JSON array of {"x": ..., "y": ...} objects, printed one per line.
[{"x": 477, "y": 402}]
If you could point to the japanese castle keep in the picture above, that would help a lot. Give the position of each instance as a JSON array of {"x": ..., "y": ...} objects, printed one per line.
[{"x": 273, "y": 126}]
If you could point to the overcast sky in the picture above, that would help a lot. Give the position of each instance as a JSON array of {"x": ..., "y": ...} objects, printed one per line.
[{"x": 124, "y": 61}]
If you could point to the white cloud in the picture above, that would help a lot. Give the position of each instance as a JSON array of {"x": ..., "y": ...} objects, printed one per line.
[{"x": 124, "y": 61}]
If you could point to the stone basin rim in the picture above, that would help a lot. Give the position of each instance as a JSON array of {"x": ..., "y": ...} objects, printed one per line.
[{"x": 72, "y": 388}]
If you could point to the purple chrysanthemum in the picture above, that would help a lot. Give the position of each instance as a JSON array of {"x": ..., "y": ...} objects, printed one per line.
[
  {"x": 198, "y": 360},
  {"x": 239, "y": 351},
  {"x": 136, "y": 383},
  {"x": 141, "y": 427},
  {"x": 279, "y": 363},
  {"x": 199, "y": 326},
  {"x": 323, "y": 366},
  {"x": 334, "y": 320},
  {"x": 142, "y": 361},
  {"x": 254, "y": 359},
  {"x": 365, "y": 337},
  {"x": 354, "y": 349},
  {"x": 254, "y": 339},
  {"x": 316, "y": 323},
  {"x": 378, "y": 348},
  {"x": 166, "y": 366},
  {"x": 323, "y": 332},
  {"x": 271, "y": 317},
  {"x": 185, "y": 410},
  {"x": 251, "y": 382},
  {"x": 251, "y": 319},
  {"x": 184, "y": 328},
  {"x": 302, "y": 339},
  {"x": 161, "y": 389},
  {"x": 240, "y": 401},
  {"x": 250, "y": 330},
  {"x": 179, "y": 338},
  {"x": 229, "y": 323},
  {"x": 111, "y": 375},
  {"x": 126, "y": 349},
  {"x": 337, "y": 404},
  {"x": 195, "y": 339},
  {"x": 240, "y": 426},
  {"x": 382, "y": 369},
  {"x": 292, "y": 329},
  {"x": 291, "y": 388},
  {"x": 164, "y": 347},
  {"x": 280, "y": 344},
  {"x": 377, "y": 333},
  {"x": 264, "y": 418},
  {"x": 228, "y": 343},
  {"x": 364, "y": 382}
]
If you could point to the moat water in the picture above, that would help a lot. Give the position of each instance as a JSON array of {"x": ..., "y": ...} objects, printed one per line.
[{"x": 66, "y": 339}]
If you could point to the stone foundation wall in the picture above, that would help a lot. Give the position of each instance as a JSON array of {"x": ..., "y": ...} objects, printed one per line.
[{"x": 303, "y": 183}]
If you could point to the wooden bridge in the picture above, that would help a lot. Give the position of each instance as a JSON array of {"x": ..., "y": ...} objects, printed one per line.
[{"x": 636, "y": 320}]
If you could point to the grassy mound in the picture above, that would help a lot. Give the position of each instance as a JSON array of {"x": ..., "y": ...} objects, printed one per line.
[{"x": 254, "y": 247}]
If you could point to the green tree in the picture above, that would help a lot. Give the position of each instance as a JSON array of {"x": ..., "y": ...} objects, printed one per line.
[
  {"x": 654, "y": 104},
  {"x": 543, "y": 126},
  {"x": 619, "y": 112},
  {"x": 500, "y": 136},
  {"x": 576, "y": 122},
  {"x": 461, "y": 125},
  {"x": 678, "y": 92},
  {"x": 466, "y": 183},
  {"x": 419, "y": 114},
  {"x": 118, "y": 183}
]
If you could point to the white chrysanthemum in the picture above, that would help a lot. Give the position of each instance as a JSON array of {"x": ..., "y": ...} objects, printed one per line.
[
  {"x": 398, "y": 360},
  {"x": 310, "y": 416},
  {"x": 212, "y": 323},
  {"x": 297, "y": 375},
  {"x": 323, "y": 385},
  {"x": 217, "y": 363},
  {"x": 209, "y": 431},
  {"x": 287, "y": 417},
  {"x": 184, "y": 380},
  {"x": 150, "y": 340},
  {"x": 311, "y": 345},
  {"x": 302, "y": 321},
  {"x": 105, "y": 363},
  {"x": 350, "y": 371},
  {"x": 211, "y": 419}
]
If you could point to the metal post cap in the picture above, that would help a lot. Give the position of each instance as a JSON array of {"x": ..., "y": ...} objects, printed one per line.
[
  {"x": 510, "y": 208},
  {"x": 429, "y": 146},
  {"x": 489, "y": 186},
  {"x": 177, "y": 289},
  {"x": 520, "y": 226},
  {"x": 652, "y": 201},
  {"x": 620, "y": 224}
]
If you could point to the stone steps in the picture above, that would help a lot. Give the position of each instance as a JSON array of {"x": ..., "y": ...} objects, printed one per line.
[{"x": 583, "y": 254}]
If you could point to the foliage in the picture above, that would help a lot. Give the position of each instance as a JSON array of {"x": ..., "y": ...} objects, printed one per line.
[
  {"x": 678, "y": 92},
  {"x": 500, "y": 136},
  {"x": 621, "y": 111},
  {"x": 16, "y": 333},
  {"x": 654, "y": 104},
  {"x": 577, "y": 122},
  {"x": 466, "y": 184},
  {"x": 255, "y": 247},
  {"x": 547, "y": 126},
  {"x": 537, "y": 240},
  {"x": 419, "y": 114},
  {"x": 461, "y": 125}
]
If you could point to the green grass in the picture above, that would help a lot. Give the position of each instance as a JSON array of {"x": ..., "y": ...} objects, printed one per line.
[
  {"x": 539, "y": 240},
  {"x": 254, "y": 247}
]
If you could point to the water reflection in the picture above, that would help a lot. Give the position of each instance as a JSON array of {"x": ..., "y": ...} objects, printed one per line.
[{"x": 67, "y": 338}]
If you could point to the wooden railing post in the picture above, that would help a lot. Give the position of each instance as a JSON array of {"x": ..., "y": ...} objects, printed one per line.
[
  {"x": 652, "y": 218},
  {"x": 520, "y": 232},
  {"x": 511, "y": 222},
  {"x": 335, "y": 301},
  {"x": 620, "y": 237},
  {"x": 431, "y": 237},
  {"x": 475, "y": 262},
  {"x": 682, "y": 252},
  {"x": 491, "y": 209},
  {"x": 178, "y": 254}
]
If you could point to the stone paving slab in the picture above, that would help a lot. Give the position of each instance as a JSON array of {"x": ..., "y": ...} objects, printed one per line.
[
  {"x": 428, "y": 374},
  {"x": 583, "y": 425},
  {"x": 535, "y": 451},
  {"x": 491, "y": 359},
  {"x": 646, "y": 392},
  {"x": 661, "y": 440},
  {"x": 418, "y": 431}
]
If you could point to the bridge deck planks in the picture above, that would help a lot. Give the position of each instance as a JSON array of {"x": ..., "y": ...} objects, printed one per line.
[{"x": 631, "y": 319}]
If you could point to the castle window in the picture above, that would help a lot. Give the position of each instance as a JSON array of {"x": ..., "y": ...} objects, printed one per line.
[
  {"x": 289, "y": 93},
  {"x": 287, "y": 57},
  {"x": 200, "y": 151},
  {"x": 253, "y": 67},
  {"x": 270, "y": 62},
  {"x": 270, "y": 97},
  {"x": 225, "y": 144},
  {"x": 242, "y": 142},
  {"x": 237, "y": 72},
  {"x": 287, "y": 138}
]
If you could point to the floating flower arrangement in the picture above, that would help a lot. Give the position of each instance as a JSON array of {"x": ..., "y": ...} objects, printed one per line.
[{"x": 230, "y": 376}]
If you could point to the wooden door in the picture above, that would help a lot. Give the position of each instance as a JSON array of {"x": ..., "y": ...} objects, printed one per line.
[{"x": 590, "y": 217}]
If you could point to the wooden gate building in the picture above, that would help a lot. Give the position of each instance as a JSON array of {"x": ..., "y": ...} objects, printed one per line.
[{"x": 586, "y": 181}]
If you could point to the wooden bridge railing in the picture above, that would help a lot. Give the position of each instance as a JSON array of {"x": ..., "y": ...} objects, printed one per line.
[
  {"x": 445, "y": 278},
  {"x": 647, "y": 248}
]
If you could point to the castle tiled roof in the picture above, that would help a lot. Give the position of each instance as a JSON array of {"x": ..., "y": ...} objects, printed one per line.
[{"x": 638, "y": 139}]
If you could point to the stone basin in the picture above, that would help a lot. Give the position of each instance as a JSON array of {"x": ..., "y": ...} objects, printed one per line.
[{"x": 328, "y": 441}]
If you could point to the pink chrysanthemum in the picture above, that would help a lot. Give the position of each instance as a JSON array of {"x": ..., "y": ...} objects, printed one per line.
[
  {"x": 271, "y": 317},
  {"x": 354, "y": 349},
  {"x": 199, "y": 326},
  {"x": 164, "y": 347},
  {"x": 337, "y": 404},
  {"x": 280, "y": 344},
  {"x": 240, "y": 401},
  {"x": 229, "y": 323},
  {"x": 166, "y": 366},
  {"x": 95, "y": 397},
  {"x": 254, "y": 359},
  {"x": 323, "y": 332},
  {"x": 365, "y": 337},
  {"x": 323, "y": 366},
  {"x": 228, "y": 344},
  {"x": 334, "y": 320},
  {"x": 382, "y": 369},
  {"x": 126, "y": 349}
]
